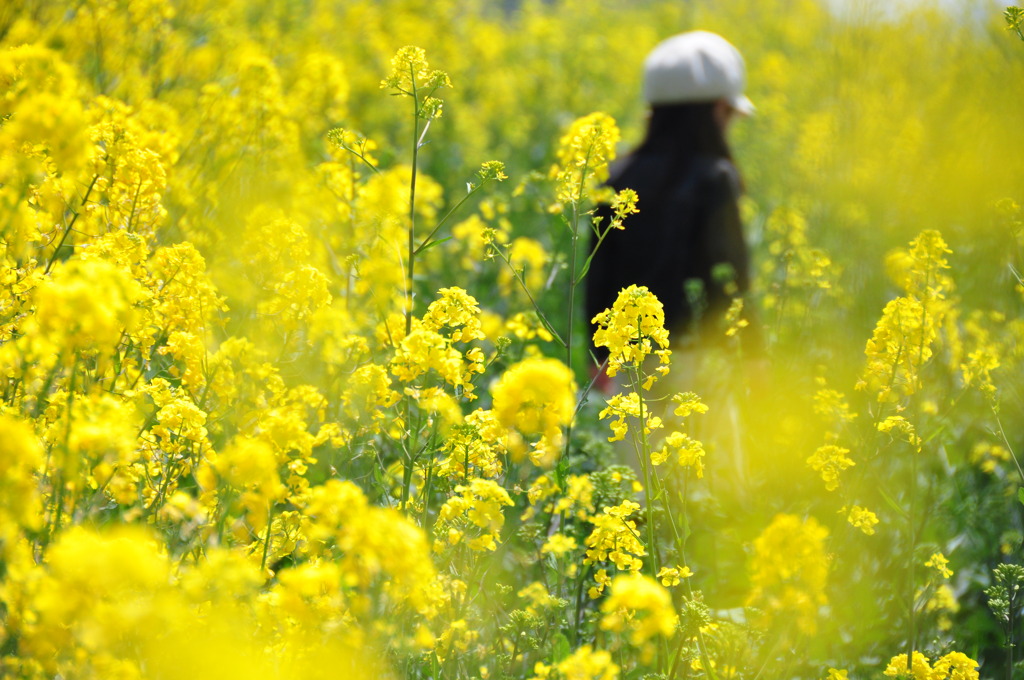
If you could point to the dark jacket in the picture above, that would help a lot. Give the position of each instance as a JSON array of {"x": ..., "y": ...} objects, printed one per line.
[{"x": 688, "y": 223}]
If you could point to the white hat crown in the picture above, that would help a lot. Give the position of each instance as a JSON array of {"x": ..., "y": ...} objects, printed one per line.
[{"x": 697, "y": 66}]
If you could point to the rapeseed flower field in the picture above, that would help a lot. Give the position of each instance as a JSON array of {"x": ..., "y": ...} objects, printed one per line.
[{"x": 295, "y": 381}]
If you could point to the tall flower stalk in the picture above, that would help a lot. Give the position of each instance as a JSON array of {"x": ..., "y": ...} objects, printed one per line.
[
  {"x": 411, "y": 77},
  {"x": 584, "y": 152}
]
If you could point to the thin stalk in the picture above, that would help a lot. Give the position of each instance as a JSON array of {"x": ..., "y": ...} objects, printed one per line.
[
  {"x": 574, "y": 235},
  {"x": 266, "y": 537},
  {"x": 913, "y": 560},
  {"x": 1006, "y": 442},
  {"x": 426, "y": 242},
  {"x": 407, "y": 461},
  {"x": 411, "y": 264},
  {"x": 548, "y": 326},
  {"x": 1010, "y": 647},
  {"x": 913, "y": 490},
  {"x": 71, "y": 225},
  {"x": 57, "y": 481}
]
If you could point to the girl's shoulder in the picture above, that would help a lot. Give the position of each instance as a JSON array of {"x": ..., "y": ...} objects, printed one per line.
[{"x": 719, "y": 175}]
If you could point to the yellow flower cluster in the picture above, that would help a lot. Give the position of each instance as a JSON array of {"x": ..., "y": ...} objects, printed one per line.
[
  {"x": 789, "y": 571},
  {"x": 799, "y": 276},
  {"x": 429, "y": 348},
  {"x": 629, "y": 405},
  {"x": 537, "y": 396},
  {"x": 830, "y": 460},
  {"x": 631, "y": 330},
  {"x": 861, "y": 518},
  {"x": 641, "y": 607},
  {"x": 952, "y": 666},
  {"x": 477, "y": 508},
  {"x": 939, "y": 563},
  {"x": 689, "y": 452},
  {"x": 577, "y": 499},
  {"x": 372, "y": 546},
  {"x": 411, "y": 73},
  {"x": 903, "y": 340},
  {"x": 586, "y": 663},
  {"x": 614, "y": 539},
  {"x": 479, "y": 444},
  {"x": 670, "y": 576},
  {"x": 96, "y": 605},
  {"x": 584, "y": 152}
]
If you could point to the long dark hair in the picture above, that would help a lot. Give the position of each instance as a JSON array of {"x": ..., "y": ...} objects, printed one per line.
[{"x": 684, "y": 131}]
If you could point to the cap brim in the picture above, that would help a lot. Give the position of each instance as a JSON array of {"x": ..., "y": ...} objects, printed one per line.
[{"x": 743, "y": 105}]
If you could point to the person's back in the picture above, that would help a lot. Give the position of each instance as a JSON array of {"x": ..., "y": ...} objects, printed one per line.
[{"x": 687, "y": 227}]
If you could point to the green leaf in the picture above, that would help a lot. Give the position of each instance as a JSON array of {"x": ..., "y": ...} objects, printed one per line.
[
  {"x": 684, "y": 526},
  {"x": 892, "y": 503},
  {"x": 428, "y": 246},
  {"x": 1020, "y": 495},
  {"x": 560, "y": 650}
]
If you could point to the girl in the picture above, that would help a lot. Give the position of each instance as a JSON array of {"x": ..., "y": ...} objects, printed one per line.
[{"x": 686, "y": 243}]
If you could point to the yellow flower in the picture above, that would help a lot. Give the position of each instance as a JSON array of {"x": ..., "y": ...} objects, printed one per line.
[
  {"x": 538, "y": 597},
  {"x": 688, "y": 403},
  {"x": 75, "y": 318},
  {"x": 862, "y": 519},
  {"x": 689, "y": 452},
  {"x": 920, "y": 669},
  {"x": 623, "y": 204},
  {"x": 614, "y": 538},
  {"x": 898, "y": 425},
  {"x": 631, "y": 330},
  {"x": 833, "y": 404},
  {"x": 424, "y": 350},
  {"x": 587, "y": 663},
  {"x": 536, "y": 396},
  {"x": 830, "y": 460},
  {"x": 956, "y": 666},
  {"x": 479, "y": 442},
  {"x": 584, "y": 152},
  {"x": 601, "y": 581},
  {"x": 940, "y": 564},
  {"x": 670, "y": 576},
  {"x": 558, "y": 545},
  {"x": 21, "y": 456},
  {"x": 952, "y": 666},
  {"x": 411, "y": 76},
  {"x": 456, "y": 312},
  {"x": 477, "y": 508},
  {"x": 251, "y": 467},
  {"x": 789, "y": 571},
  {"x": 579, "y": 497},
  {"x": 640, "y": 606},
  {"x": 622, "y": 406}
]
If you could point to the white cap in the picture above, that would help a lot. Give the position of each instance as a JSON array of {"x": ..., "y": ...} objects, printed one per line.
[{"x": 697, "y": 66}]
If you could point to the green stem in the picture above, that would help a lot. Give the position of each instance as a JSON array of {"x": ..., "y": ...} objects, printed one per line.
[
  {"x": 536, "y": 306},
  {"x": 266, "y": 537},
  {"x": 411, "y": 264},
  {"x": 407, "y": 461},
  {"x": 58, "y": 477},
  {"x": 426, "y": 242},
  {"x": 913, "y": 560},
  {"x": 572, "y": 303},
  {"x": 71, "y": 225}
]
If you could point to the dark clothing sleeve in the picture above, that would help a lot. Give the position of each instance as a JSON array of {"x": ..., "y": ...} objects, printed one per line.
[{"x": 719, "y": 238}]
